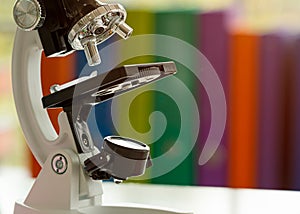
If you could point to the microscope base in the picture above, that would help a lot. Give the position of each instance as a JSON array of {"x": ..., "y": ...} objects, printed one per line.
[
  {"x": 63, "y": 188},
  {"x": 141, "y": 209}
]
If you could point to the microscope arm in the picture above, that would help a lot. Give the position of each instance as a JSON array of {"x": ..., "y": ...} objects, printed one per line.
[
  {"x": 38, "y": 130},
  {"x": 27, "y": 90}
]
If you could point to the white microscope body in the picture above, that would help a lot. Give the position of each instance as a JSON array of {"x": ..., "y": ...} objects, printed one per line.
[{"x": 69, "y": 179}]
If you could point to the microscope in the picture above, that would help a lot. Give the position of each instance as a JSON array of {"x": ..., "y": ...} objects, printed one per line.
[{"x": 72, "y": 167}]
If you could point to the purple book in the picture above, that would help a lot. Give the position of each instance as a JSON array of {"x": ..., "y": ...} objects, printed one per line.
[
  {"x": 213, "y": 43},
  {"x": 271, "y": 111},
  {"x": 294, "y": 161}
]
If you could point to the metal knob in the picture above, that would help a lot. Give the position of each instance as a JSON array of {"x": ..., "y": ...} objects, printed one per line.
[{"x": 29, "y": 14}]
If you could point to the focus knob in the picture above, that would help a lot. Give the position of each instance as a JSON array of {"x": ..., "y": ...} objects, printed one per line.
[{"x": 29, "y": 14}]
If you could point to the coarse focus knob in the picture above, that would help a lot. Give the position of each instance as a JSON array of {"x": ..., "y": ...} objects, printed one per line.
[{"x": 29, "y": 14}]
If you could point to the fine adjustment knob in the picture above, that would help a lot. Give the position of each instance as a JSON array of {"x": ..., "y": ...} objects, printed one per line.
[{"x": 29, "y": 14}]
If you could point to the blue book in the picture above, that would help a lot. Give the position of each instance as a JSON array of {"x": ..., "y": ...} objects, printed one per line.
[{"x": 100, "y": 120}]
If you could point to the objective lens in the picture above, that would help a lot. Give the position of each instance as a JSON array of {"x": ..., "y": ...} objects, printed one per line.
[
  {"x": 91, "y": 53},
  {"x": 124, "y": 30}
]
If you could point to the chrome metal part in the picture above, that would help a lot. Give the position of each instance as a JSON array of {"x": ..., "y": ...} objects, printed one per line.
[
  {"x": 29, "y": 14},
  {"x": 124, "y": 30},
  {"x": 96, "y": 27},
  {"x": 91, "y": 52}
]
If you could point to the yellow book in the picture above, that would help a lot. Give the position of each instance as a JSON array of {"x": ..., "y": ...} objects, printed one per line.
[{"x": 133, "y": 109}]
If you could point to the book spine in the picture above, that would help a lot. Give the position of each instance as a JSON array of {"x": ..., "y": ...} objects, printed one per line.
[
  {"x": 182, "y": 25},
  {"x": 133, "y": 121},
  {"x": 293, "y": 179},
  {"x": 213, "y": 44},
  {"x": 243, "y": 109},
  {"x": 270, "y": 111}
]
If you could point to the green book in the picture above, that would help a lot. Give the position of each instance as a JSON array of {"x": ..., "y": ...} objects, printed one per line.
[{"x": 181, "y": 25}]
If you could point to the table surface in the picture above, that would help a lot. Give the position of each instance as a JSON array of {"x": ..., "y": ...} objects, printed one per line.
[{"x": 15, "y": 184}]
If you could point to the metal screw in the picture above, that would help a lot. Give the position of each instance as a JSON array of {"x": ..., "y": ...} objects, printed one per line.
[
  {"x": 59, "y": 164},
  {"x": 85, "y": 140},
  {"x": 54, "y": 88}
]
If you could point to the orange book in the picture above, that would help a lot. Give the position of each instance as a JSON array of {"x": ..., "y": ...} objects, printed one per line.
[
  {"x": 54, "y": 71},
  {"x": 243, "y": 109}
]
